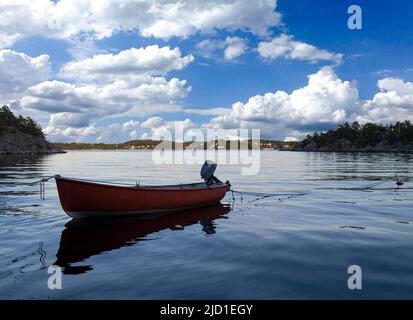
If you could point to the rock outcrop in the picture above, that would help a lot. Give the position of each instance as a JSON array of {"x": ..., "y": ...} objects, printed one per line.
[
  {"x": 23, "y": 143},
  {"x": 22, "y": 135},
  {"x": 369, "y": 137},
  {"x": 343, "y": 145}
]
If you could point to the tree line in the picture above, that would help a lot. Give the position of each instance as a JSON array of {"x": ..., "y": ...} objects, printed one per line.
[
  {"x": 9, "y": 123},
  {"x": 364, "y": 135}
]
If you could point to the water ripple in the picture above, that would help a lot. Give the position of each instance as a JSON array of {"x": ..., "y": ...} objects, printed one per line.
[{"x": 248, "y": 248}]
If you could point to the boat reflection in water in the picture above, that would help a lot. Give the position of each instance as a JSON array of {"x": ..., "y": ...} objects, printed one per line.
[{"x": 84, "y": 238}]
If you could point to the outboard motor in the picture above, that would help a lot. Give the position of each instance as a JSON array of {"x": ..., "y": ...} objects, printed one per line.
[{"x": 207, "y": 173}]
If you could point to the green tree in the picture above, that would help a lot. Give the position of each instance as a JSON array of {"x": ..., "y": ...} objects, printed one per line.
[{"x": 10, "y": 123}]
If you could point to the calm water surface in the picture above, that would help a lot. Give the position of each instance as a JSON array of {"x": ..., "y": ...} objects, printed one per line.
[{"x": 268, "y": 248}]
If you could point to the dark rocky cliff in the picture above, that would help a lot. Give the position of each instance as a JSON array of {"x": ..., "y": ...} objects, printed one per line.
[
  {"x": 370, "y": 137},
  {"x": 23, "y": 143},
  {"x": 20, "y": 135}
]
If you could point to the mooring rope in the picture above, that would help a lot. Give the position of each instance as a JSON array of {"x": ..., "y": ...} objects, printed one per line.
[
  {"x": 251, "y": 193},
  {"x": 366, "y": 187},
  {"x": 263, "y": 195},
  {"x": 42, "y": 255},
  {"x": 42, "y": 183}
]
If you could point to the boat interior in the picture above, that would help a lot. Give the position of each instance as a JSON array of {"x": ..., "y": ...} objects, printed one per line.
[{"x": 197, "y": 185}]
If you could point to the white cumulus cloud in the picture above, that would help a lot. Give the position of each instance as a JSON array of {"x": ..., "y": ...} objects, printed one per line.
[
  {"x": 18, "y": 71},
  {"x": 208, "y": 112},
  {"x": 284, "y": 46},
  {"x": 235, "y": 47},
  {"x": 105, "y": 86},
  {"x": 393, "y": 103},
  {"x": 157, "y": 128},
  {"x": 231, "y": 48},
  {"x": 325, "y": 100},
  {"x": 117, "y": 97},
  {"x": 151, "y": 60},
  {"x": 66, "y": 19}
]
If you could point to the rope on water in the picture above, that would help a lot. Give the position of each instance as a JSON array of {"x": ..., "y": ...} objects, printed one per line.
[
  {"x": 42, "y": 183},
  {"x": 366, "y": 187},
  {"x": 42, "y": 255},
  {"x": 369, "y": 186},
  {"x": 261, "y": 195}
]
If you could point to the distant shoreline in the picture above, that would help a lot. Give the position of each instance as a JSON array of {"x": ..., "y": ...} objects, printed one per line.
[
  {"x": 145, "y": 145},
  {"x": 278, "y": 150},
  {"x": 354, "y": 151}
]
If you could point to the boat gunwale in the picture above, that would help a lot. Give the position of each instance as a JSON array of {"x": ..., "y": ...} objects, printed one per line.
[{"x": 176, "y": 187}]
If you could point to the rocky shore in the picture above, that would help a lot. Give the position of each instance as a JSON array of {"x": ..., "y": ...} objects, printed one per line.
[
  {"x": 369, "y": 137},
  {"x": 22, "y": 135},
  {"x": 23, "y": 143},
  {"x": 343, "y": 145}
]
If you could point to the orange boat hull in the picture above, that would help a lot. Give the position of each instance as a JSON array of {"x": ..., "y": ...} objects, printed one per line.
[{"x": 88, "y": 199}]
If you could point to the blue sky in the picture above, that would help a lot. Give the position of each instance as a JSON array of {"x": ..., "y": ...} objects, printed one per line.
[{"x": 306, "y": 69}]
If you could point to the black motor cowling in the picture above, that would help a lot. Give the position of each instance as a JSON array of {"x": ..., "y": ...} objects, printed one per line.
[{"x": 207, "y": 172}]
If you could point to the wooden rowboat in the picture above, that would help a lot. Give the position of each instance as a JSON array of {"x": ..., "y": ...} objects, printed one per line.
[{"x": 81, "y": 198}]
